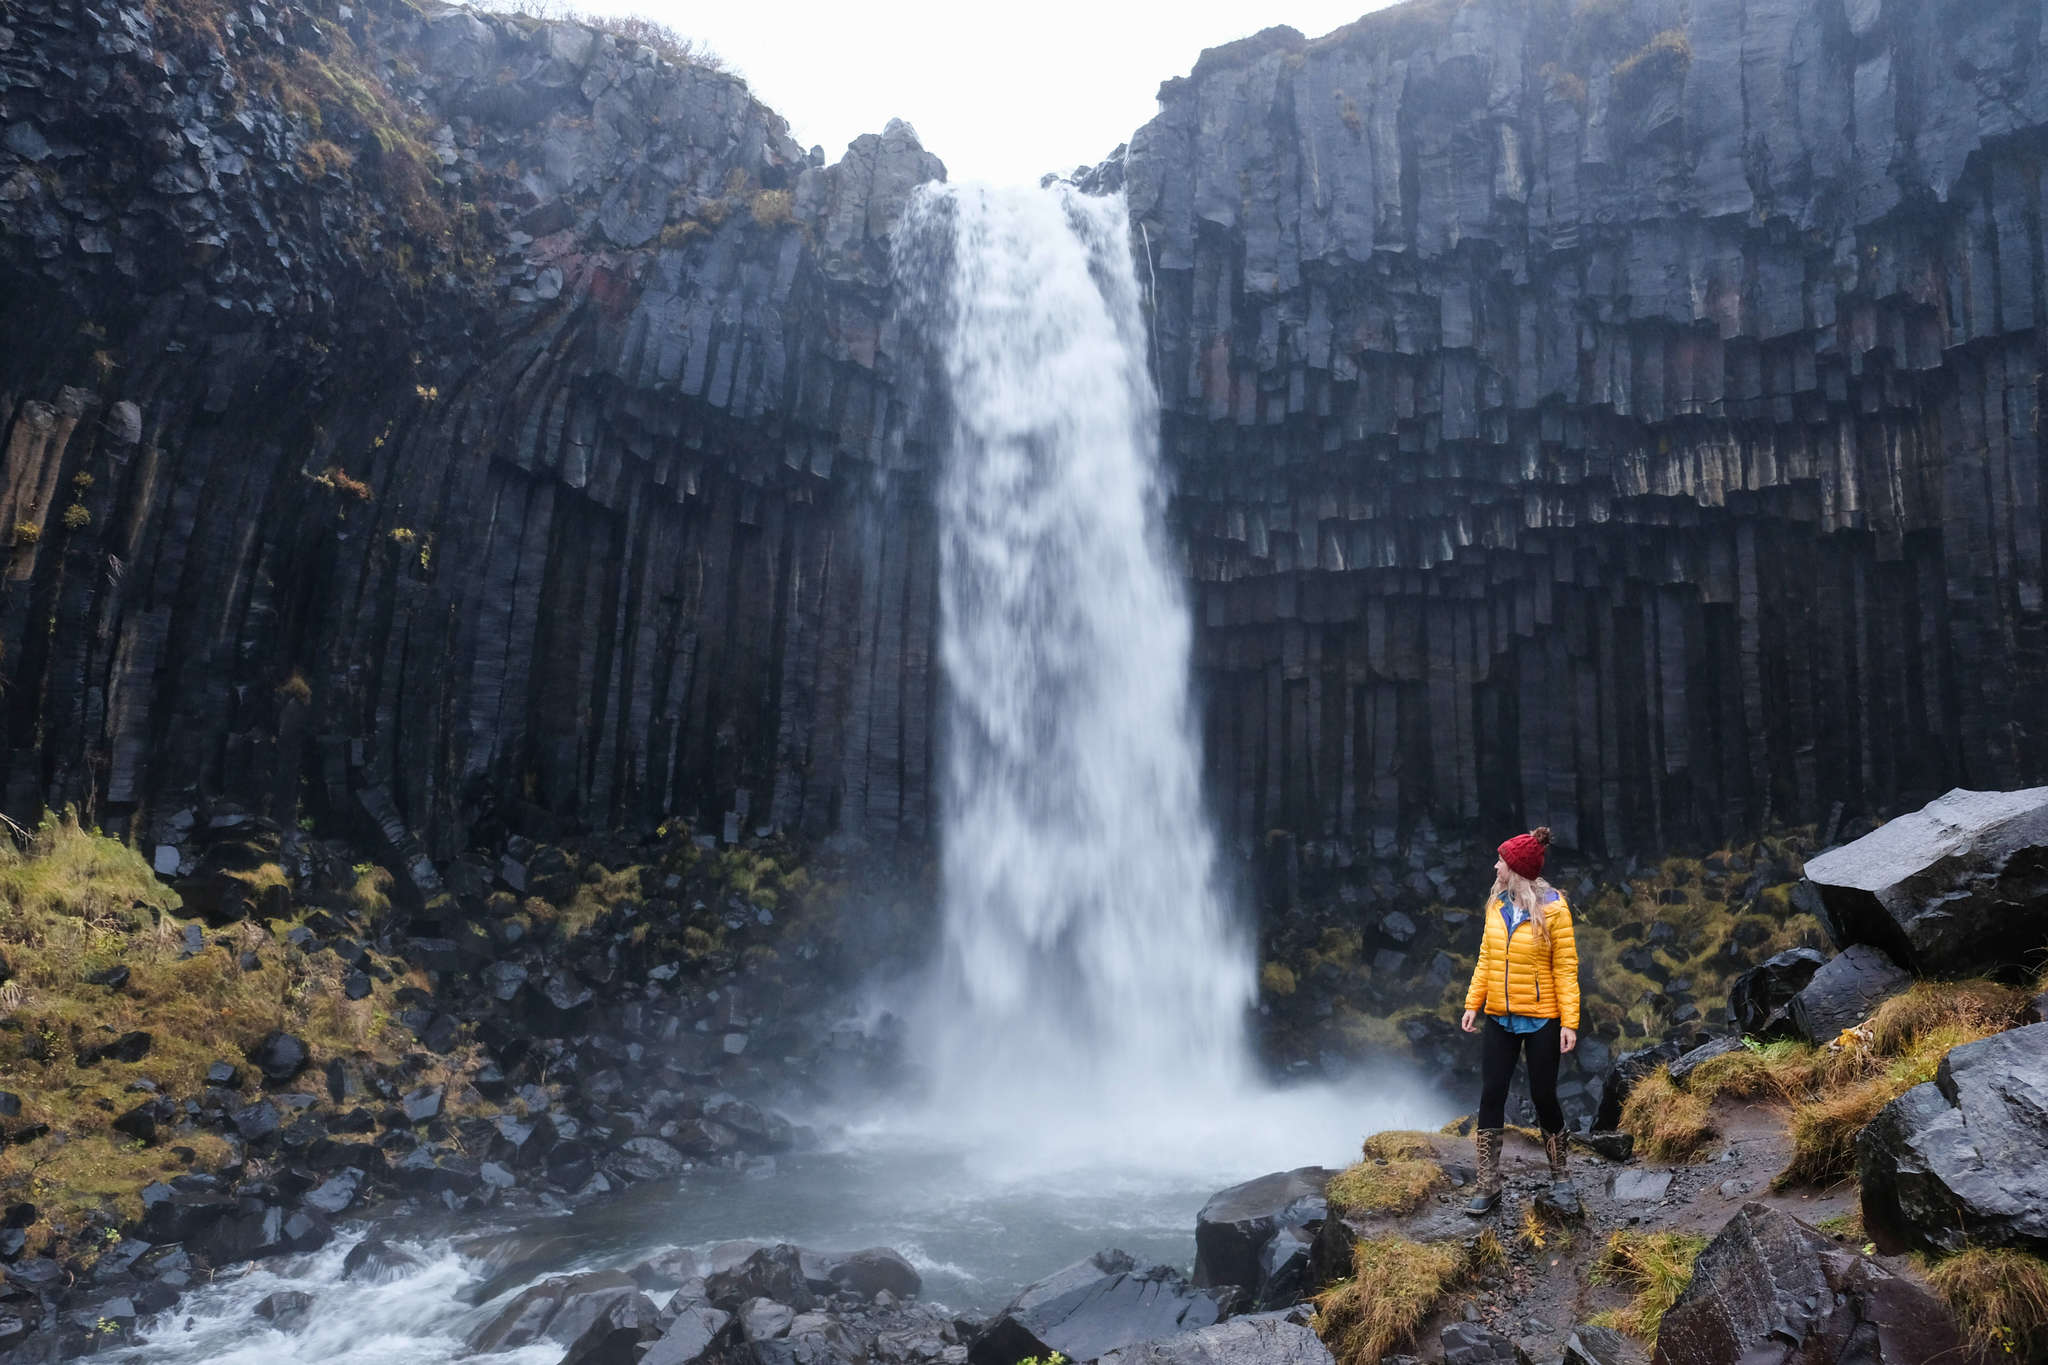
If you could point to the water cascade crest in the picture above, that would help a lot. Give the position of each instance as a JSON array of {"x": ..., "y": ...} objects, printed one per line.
[{"x": 1090, "y": 962}]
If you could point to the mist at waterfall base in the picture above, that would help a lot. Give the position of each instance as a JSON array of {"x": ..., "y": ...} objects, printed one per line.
[{"x": 1082, "y": 1032}]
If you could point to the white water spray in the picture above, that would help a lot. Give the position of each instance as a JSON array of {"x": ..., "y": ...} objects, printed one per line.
[{"x": 1091, "y": 968}]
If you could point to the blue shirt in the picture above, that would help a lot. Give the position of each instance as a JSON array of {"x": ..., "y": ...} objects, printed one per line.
[{"x": 1514, "y": 916}]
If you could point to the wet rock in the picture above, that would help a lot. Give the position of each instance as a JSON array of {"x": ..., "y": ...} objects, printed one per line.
[
  {"x": 1612, "y": 1146},
  {"x": 765, "y": 1319},
  {"x": 559, "y": 1310},
  {"x": 1682, "y": 1066},
  {"x": 699, "y": 1333},
  {"x": 615, "y": 1335},
  {"x": 1770, "y": 1287},
  {"x": 1957, "y": 888},
  {"x": 1760, "y": 1000},
  {"x": 876, "y": 1270},
  {"x": 379, "y": 1262},
  {"x": 337, "y": 1194},
  {"x": 1234, "y": 1226},
  {"x": 1629, "y": 1068},
  {"x": 774, "y": 1272},
  {"x": 1468, "y": 1343},
  {"x": 1844, "y": 992},
  {"x": 284, "y": 1309},
  {"x": 1259, "y": 1340},
  {"x": 1092, "y": 1307},
  {"x": 1964, "y": 1158},
  {"x": 1639, "y": 1186},
  {"x": 1590, "y": 1345},
  {"x": 280, "y": 1057},
  {"x": 645, "y": 1158}
]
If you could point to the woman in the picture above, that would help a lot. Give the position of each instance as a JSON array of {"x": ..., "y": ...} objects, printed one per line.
[{"x": 1527, "y": 986}]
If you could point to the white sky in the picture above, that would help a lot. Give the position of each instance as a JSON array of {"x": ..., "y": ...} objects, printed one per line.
[{"x": 1001, "y": 92}]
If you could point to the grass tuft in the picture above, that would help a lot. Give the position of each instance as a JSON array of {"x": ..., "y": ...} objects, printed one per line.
[
  {"x": 1670, "y": 1122},
  {"x": 1656, "y": 1267},
  {"x": 1380, "y": 1186},
  {"x": 1395, "y": 1285},
  {"x": 2000, "y": 1299}
]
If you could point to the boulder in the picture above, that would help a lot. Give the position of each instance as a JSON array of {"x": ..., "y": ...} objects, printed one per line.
[
  {"x": 1470, "y": 1343},
  {"x": 1957, "y": 888},
  {"x": 615, "y": 1335},
  {"x": 774, "y": 1272},
  {"x": 1964, "y": 1156},
  {"x": 1760, "y": 1001},
  {"x": 1590, "y": 1345},
  {"x": 561, "y": 1310},
  {"x": 699, "y": 1332},
  {"x": 378, "y": 1261},
  {"x": 1845, "y": 992},
  {"x": 874, "y": 1271},
  {"x": 1091, "y": 1308},
  {"x": 280, "y": 1057},
  {"x": 1265, "y": 1339},
  {"x": 285, "y": 1309},
  {"x": 1233, "y": 1228},
  {"x": 1627, "y": 1069},
  {"x": 1684, "y": 1065},
  {"x": 1771, "y": 1288}
]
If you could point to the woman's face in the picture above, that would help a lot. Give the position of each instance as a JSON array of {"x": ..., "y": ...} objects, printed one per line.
[{"x": 1500, "y": 867}]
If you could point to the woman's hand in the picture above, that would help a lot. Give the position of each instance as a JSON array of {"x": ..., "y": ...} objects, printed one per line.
[
  {"x": 1567, "y": 1039},
  {"x": 1470, "y": 1023}
]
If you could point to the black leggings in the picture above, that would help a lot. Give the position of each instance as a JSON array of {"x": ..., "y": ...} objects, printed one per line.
[{"x": 1498, "y": 1048}]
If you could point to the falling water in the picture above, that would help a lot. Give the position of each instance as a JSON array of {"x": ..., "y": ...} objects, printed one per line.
[{"x": 1091, "y": 967}]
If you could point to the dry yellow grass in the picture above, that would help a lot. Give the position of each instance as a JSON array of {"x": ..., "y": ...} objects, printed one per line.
[
  {"x": 1669, "y": 1122},
  {"x": 76, "y": 903},
  {"x": 1399, "y": 1172},
  {"x": 2000, "y": 1299},
  {"x": 1395, "y": 1285},
  {"x": 1656, "y": 1267}
]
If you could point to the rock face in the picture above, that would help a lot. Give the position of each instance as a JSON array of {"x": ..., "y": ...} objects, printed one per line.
[
  {"x": 1957, "y": 888},
  {"x": 1090, "y": 1309},
  {"x": 1965, "y": 1156},
  {"x": 1760, "y": 1000},
  {"x": 1556, "y": 405},
  {"x": 1552, "y": 408},
  {"x": 1844, "y": 992},
  {"x": 628, "y": 521},
  {"x": 1771, "y": 1288}
]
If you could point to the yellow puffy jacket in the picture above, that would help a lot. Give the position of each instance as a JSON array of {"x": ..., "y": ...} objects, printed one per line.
[{"x": 1522, "y": 974}]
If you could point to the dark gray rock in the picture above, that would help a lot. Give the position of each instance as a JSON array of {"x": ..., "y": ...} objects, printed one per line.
[
  {"x": 1469, "y": 1343},
  {"x": 1963, "y": 1159},
  {"x": 284, "y": 1309},
  {"x": 378, "y": 1261},
  {"x": 1770, "y": 1287},
  {"x": 1254, "y": 1340},
  {"x": 562, "y": 1310},
  {"x": 699, "y": 1333},
  {"x": 1093, "y": 1307},
  {"x": 1629, "y": 1068},
  {"x": 1234, "y": 1226},
  {"x": 1760, "y": 1000},
  {"x": 1957, "y": 888},
  {"x": 1682, "y": 1066},
  {"x": 280, "y": 1057},
  {"x": 874, "y": 1271},
  {"x": 1590, "y": 1345},
  {"x": 1845, "y": 992},
  {"x": 774, "y": 1272}
]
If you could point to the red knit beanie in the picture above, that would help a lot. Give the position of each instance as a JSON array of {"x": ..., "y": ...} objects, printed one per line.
[{"x": 1524, "y": 853}]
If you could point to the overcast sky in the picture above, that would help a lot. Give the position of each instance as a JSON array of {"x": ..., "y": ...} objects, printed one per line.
[{"x": 1001, "y": 92}]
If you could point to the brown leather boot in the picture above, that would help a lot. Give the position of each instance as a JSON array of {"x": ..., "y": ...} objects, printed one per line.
[
  {"x": 1486, "y": 1193},
  {"x": 1563, "y": 1196}
]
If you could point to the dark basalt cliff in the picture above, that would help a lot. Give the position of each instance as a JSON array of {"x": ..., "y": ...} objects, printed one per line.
[
  {"x": 464, "y": 413},
  {"x": 1619, "y": 416}
]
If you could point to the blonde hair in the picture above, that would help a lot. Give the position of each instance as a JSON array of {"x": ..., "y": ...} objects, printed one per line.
[{"x": 1532, "y": 897}]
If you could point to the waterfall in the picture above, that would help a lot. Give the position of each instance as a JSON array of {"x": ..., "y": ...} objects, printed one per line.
[{"x": 1091, "y": 966}]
